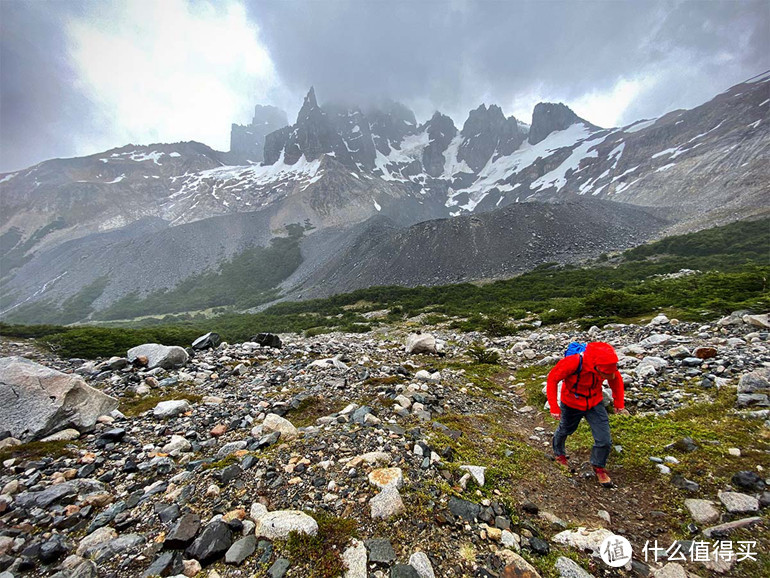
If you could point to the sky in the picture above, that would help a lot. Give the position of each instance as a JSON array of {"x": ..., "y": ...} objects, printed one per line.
[{"x": 79, "y": 77}]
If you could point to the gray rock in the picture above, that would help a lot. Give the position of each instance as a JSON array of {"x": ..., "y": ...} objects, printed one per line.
[
  {"x": 183, "y": 531},
  {"x": 241, "y": 550},
  {"x": 748, "y": 480},
  {"x": 171, "y": 408},
  {"x": 403, "y": 571},
  {"x": 762, "y": 321},
  {"x": 355, "y": 560},
  {"x": 159, "y": 355},
  {"x": 671, "y": 570},
  {"x": 737, "y": 503},
  {"x": 167, "y": 564},
  {"x": 754, "y": 381},
  {"x": 421, "y": 563},
  {"x": 278, "y": 524},
  {"x": 568, "y": 568},
  {"x": 215, "y": 540},
  {"x": 276, "y": 423},
  {"x": 387, "y": 503},
  {"x": 36, "y": 401},
  {"x": 86, "y": 569},
  {"x": 208, "y": 341},
  {"x": 98, "y": 536},
  {"x": 548, "y": 117},
  {"x": 421, "y": 343},
  {"x": 279, "y": 568},
  {"x": 752, "y": 400},
  {"x": 63, "y": 435},
  {"x": 108, "y": 550},
  {"x": 65, "y": 491},
  {"x": 702, "y": 511},
  {"x": 380, "y": 550},
  {"x": 583, "y": 539},
  {"x": 724, "y": 530},
  {"x": 464, "y": 509}
]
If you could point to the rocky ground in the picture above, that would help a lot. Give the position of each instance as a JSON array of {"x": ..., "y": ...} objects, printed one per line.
[{"x": 398, "y": 463}]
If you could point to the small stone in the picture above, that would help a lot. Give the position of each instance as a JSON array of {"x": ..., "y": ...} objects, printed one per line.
[
  {"x": 218, "y": 430},
  {"x": 355, "y": 560},
  {"x": 278, "y": 524},
  {"x": 278, "y": 569},
  {"x": 568, "y": 568},
  {"x": 539, "y": 546},
  {"x": 724, "y": 530},
  {"x": 671, "y": 570},
  {"x": 517, "y": 567},
  {"x": 387, "y": 503},
  {"x": 241, "y": 550},
  {"x": 421, "y": 563},
  {"x": 702, "y": 511},
  {"x": 275, "y": 423},
  {"x": 477, "y": 472},
  {"x": 191, "y": 568},
  {"x": 380, "y": 550},
  {"x": 387, "y": 476},
  {"x": 403, "y": 571},
  {"x": 171, "y": 408},
  {"x": 737, "y": 503}
]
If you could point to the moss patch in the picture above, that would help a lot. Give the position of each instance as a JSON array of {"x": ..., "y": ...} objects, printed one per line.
[
  {"x": 37, "y": 450},
  {"x": 311, "y": 408},
  {"x": 320, "y": 556},
  {"x": 133, "y": 405}
]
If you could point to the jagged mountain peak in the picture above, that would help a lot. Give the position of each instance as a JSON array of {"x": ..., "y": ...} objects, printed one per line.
[{"x": 548, "y": 117}]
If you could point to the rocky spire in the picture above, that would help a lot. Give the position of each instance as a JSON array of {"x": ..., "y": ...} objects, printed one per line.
[
  {"x": 549, "y": 117},
  {"x": 441, "y": 131}
]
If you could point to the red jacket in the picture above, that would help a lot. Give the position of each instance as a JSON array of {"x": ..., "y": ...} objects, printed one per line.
[{"x": 588, "y": 391}]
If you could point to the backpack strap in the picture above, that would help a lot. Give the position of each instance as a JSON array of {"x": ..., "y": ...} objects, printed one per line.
[{"x": 577, "y": 374}]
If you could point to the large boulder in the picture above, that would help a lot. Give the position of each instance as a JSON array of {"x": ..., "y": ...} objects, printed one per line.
[
  {"x": 36, "y": 401},
  {"x": 268, "y": 340},
  {"x": 274, "y": 422},
  {"x": 421, "y": 343},
  {"x": 159, "y": 355},
  {"x": 278, "y": 525},
  {"x": 208, "y": 341}
]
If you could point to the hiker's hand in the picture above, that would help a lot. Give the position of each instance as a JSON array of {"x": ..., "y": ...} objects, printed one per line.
[
  {"x": 556, "y": 416},
  {"x": 623, "y": 411}
]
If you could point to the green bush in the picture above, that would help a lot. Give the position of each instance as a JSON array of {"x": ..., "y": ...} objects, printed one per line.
[
  {"x": 611, "y": 302},
  {"x": 480, "y": 355}
]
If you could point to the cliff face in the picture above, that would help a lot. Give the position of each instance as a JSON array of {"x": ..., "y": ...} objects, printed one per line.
[{"x": 247, "y": 142}]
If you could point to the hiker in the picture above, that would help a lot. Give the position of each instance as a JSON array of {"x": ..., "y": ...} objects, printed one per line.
[{"x": 583, "y": 371}]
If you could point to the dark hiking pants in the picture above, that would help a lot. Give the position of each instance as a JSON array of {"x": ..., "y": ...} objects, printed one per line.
[{"x": 600, "y": 428}]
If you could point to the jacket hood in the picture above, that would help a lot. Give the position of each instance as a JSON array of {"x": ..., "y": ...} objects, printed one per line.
[{"x": 599, "y": 353}]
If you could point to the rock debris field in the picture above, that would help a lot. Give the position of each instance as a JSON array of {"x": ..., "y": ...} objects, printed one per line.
[{"x": 387, "y": 454}]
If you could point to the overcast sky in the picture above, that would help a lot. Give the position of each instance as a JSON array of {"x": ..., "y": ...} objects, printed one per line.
[{"x": 82, "y": 76}]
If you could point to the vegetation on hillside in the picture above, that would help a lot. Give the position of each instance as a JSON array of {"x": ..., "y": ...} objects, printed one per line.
[{"x": 732, "y": 272}]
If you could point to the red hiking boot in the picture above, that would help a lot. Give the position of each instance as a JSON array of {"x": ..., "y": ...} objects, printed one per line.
[
  {"x": 561, "y": 460},
  {"x": 604, "y": 479}
]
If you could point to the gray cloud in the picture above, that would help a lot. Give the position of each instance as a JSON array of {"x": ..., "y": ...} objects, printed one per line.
[
  {"x": 433, "y": 55},
  {"x": 454, "y": 55},
  {"x": 39, "y": 107}
]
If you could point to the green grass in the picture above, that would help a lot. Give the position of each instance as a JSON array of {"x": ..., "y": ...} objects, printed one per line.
[
  {"x": 36, "y": 450},
  {"x": 473, "y": 448},
  {"x": 133, "y": 405},
  {"x": 310, "y": 409},
  {"x": 320, "y": 556},
  {"x": 711, "y": 424}
]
